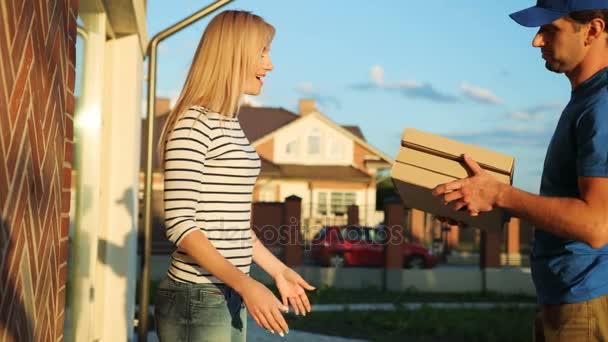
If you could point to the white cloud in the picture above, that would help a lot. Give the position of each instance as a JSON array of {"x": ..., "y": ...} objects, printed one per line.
[
  {"x": 163, "y": 48},
  {"x": 323, "y": 99},
  {"x": 409, "y": 84},
  {"x": 173, "y": 96},
  {"x": 523, "y": 115},
  {"x": 536, "y": 112},
  {"x": 305, "y": 88},
  {"x": 377, "y": 75},
  {"x": 250, "y": 101},
  {"x": 480, "y": 94}
]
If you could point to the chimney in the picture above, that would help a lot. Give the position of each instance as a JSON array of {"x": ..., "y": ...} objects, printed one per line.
[
  {"x": 162, "y": 106},
  {"x": 307, "y": 106}
]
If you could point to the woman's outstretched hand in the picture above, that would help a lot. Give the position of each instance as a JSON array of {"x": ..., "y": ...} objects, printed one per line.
[
  {"x": 264, "y": 307},
  {"x": 292, "y": 288}
]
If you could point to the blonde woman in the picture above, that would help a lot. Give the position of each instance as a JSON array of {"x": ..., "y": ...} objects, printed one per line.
[{"x": 210, "y": 170}]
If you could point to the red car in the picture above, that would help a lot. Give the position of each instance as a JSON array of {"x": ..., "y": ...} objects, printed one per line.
[{"x": 363, "y": 246}]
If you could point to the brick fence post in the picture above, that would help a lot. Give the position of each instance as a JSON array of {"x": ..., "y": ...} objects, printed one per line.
[
  {"x": 353, "y": 215},
  {"x": 512, "y": 242},
  {"x": 489, "y": 256},
  {"x": 291, "y": 226},
  {"x": 417, "y": 225},
  {"x": 394, "y": 214}
]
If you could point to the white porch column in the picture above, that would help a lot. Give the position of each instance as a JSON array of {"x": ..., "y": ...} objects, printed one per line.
[
  {"x": 87, "y": 148},
  {"x": 121, "y": 134}
]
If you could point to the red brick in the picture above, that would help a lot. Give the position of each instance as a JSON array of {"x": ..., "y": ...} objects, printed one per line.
[
  {"x": 42, "y": 292},
  {"x": 67, "y": 178},
  {"x": 72, "y": 25},
  {"x": 65, "y": 227},
  {"x": 35, "y": 74},
  {"x": 68, "y": 152},
  {"x": 3, "y": 179},
  {"x": 71, "y": 70},
  {"x": 16, "y": 96},
  {"x": 69, "y": 124},
  {"x": 36, "y": 157},
  {"x": 16, "y": 220},
  {"x": 74, "y": 4},
  {"x": 65, "y": 201},
  {"x": 63, "y": 251},
  {"x": 63, "y": 274},
  {"x": 22, "y": 33}
]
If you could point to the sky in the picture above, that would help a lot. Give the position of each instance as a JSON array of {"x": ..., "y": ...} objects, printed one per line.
[{"x": 462, "y": 69}]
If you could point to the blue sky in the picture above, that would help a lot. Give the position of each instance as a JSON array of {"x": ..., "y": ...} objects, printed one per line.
[{"x": 462, "y": 69}]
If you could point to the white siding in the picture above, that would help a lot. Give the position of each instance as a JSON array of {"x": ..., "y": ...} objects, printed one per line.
[{"x": 335, "y": 147}]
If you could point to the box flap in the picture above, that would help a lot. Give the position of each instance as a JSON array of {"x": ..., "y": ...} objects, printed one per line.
[
  {"x": 434, "y": 164},
  {"x": 453, "y": 150}
]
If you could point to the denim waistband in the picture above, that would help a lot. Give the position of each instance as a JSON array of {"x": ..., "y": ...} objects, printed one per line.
[{"x": 168, "y": 282}]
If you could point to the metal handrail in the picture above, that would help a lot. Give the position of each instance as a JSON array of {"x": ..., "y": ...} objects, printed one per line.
[
  {"x": 82, "y": 32},
  {"x": 142, "y": 326}
]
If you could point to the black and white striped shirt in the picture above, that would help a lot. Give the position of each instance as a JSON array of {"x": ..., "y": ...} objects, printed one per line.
[{"x": 210, "y": 171}]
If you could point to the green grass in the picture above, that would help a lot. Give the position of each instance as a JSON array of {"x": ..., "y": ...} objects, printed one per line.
[
  {"x": 427, "y": 324},
  {"x": 329, "y": 295},
  {"x": 424, "y": 325}
]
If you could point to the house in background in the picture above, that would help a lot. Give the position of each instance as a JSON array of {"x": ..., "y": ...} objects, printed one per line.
[{"x": 308, "y": 155}]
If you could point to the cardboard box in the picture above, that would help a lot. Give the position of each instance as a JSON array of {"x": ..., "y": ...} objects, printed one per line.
[{"x": 426, "y": 160}]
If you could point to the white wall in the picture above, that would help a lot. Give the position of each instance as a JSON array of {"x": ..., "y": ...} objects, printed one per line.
[
  {"x": 300, "y": 131},
  {"x": 296, "y": 187}
]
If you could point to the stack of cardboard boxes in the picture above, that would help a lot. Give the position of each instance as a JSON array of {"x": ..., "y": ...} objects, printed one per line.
[{"x": 426, "y": 160}]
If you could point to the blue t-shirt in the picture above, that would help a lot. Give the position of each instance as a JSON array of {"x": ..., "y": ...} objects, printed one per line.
[{"x": 569, "y": 271}]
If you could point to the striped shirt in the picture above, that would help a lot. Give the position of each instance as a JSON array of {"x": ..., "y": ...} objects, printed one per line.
[{"x": 210, "y": 171}]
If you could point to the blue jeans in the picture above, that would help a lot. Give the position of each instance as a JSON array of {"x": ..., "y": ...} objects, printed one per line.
[{"x": 199, "y": 312}]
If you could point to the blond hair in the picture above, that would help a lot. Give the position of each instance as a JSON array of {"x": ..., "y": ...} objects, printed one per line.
[{"x": 231, "y": 45}]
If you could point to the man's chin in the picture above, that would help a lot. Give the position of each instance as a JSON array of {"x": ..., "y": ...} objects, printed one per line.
[{"x": 554, "y": 67}]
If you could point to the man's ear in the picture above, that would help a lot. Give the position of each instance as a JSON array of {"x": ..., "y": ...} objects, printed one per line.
[{"x": 595, "y": 30}]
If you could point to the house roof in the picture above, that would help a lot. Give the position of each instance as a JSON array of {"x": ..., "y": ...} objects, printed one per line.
[
  {"x": 344, "y": 129},
  {"x": 313, "y": 172},
  {"x": 355, "y": 130},
  {"x": 259, "y": 121}
]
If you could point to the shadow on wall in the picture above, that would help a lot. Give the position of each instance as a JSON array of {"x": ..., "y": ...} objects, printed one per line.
[
  {"x": 106, "y": 249},
  {"x": 15, "y": 325}
]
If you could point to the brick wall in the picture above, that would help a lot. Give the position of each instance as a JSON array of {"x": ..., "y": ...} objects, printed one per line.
[{"x": 37, "y": 57}]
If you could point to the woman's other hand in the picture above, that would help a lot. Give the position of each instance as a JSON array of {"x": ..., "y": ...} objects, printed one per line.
[
  {"x": 264, "y": 307},
  {"x": 292, "y": 288}
]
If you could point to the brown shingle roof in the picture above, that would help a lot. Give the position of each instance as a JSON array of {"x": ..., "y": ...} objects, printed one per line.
[
  {"x": 355, "y": 130},
  {"x": 314, "y": 172},
  {"x": 259, "y": 121}
]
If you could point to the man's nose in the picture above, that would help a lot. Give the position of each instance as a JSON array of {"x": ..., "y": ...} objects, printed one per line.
[{"x": 538, "y": 40}]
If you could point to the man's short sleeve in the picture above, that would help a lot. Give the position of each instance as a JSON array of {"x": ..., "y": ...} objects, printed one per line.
[{"x": 592, "y": 142}]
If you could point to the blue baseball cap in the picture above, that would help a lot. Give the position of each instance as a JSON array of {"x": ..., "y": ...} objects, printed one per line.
[{"x": 547, "y": 11}]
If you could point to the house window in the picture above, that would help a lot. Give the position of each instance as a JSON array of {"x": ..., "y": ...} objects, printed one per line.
[
  {"x": 314, "y": 142},
  {"x": 267, "y": 194},
  {"x": 337, "y": 150},
  {"x": 292, "y": 148},
  {"x": 340, "y": 201},
  {"x": 322, "y": 203}
]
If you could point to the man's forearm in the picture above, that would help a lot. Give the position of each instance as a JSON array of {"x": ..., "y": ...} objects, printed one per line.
[
  {"x": 569, "y": 218},
  {"x": 266, "y": 260}
]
